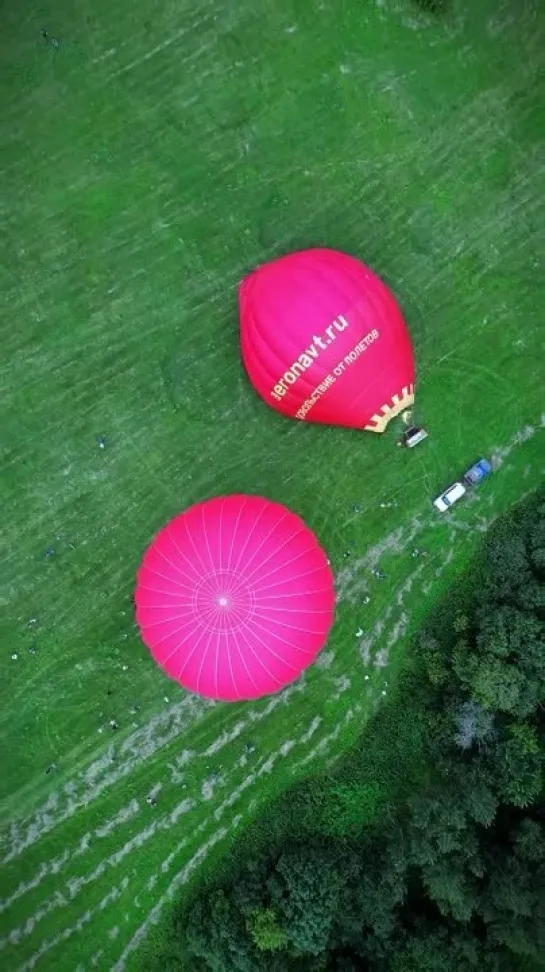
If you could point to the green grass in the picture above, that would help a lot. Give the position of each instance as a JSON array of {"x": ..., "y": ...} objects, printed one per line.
[{"x": 147, "y": 164}]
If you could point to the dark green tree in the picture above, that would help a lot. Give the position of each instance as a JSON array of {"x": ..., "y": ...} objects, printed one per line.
[
  {"x": 536, "y": 543},
  {"x": 435, "y": 949},
  {"x": 249, "y": 891},
  {"x": 215, "y": 933},
  {"x": 438, "y": 826},
  {"x": 369, "y": 904},
  {"x": 529, "y": 840},
  {"x": 508, "y": 567},
  {"x": 513, "y": 904},
  {"x": 444, "y": 845},
  {"x": 518, "y": 761},
  {"x": 504, "y": 670},
  {"x": 304, "y": 892}
]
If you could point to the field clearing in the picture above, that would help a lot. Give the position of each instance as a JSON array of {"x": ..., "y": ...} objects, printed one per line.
[{"x": 148, "y": 162}]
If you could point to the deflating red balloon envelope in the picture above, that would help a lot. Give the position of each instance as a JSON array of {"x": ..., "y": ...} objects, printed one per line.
[
  {"x": 235, "y": 597},
  {"x": 323, "y": 339}
]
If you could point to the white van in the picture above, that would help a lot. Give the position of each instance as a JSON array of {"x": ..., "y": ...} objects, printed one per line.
[{"x": 449, "y": 497}]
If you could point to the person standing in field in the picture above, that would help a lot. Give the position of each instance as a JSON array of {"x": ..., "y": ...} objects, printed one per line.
[{"x": 50, "y": 40}]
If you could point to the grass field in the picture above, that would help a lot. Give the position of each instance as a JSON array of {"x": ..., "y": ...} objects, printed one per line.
[{"x": 160, "y": 152}]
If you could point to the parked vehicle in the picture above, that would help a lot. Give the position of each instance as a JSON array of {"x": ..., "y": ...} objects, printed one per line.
[
  {"x": 449, "y": 497},
  {"x": 478, "y": 471},
  {"x": 413, "y": 436}
]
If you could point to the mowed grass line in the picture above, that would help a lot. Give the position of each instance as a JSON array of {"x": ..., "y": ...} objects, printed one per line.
[{"x": 147, "y": 164}]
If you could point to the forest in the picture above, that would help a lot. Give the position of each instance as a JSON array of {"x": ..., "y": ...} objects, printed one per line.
[{"x": 445, "y": 868}]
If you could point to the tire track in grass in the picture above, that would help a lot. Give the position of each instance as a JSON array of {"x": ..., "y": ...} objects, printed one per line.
[
  {"x": 90, "y": 783},
  {"x": 264, "y": 767},
  {"x": 74, "y": 886},
  {"x": 183, "y": 875},
  {"x": 54, "y": 866},
  {"x": 67, "y": 933}
]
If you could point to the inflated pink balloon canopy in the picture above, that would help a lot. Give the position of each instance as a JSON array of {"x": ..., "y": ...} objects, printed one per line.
[
  {"x": 235, "y": 597},
  {"x": 323, "y": 340}
]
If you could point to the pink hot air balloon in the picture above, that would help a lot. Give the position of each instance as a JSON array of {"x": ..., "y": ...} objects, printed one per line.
[
  {"x": 324, "y": 340},
  {"x": 235, "y": 597}
]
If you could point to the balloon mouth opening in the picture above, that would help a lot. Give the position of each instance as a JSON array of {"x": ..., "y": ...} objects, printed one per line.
[
  {"x": 223, "y": 601},
  {"x": 398, "y": 403}
]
